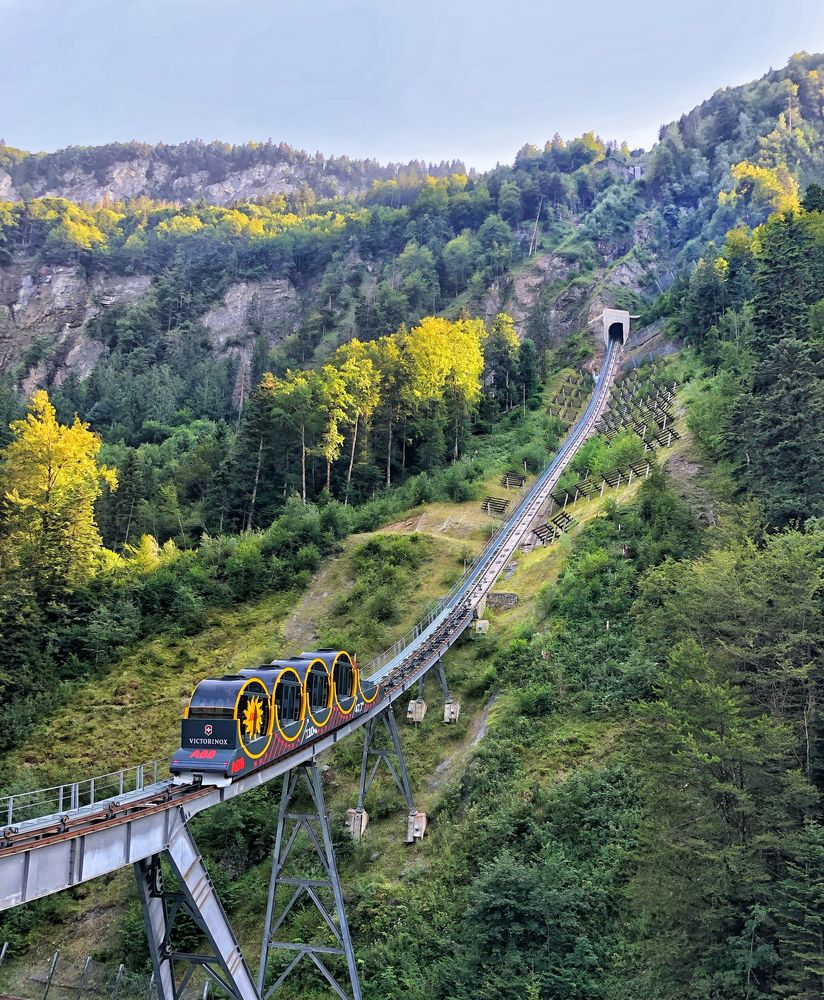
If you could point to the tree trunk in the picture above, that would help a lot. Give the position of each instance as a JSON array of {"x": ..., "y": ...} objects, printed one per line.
[
  {"x": 303, "y": 462},
  {"x": 389, "y": 453},
  {"x": 351, "y": 457},
  {"x": 254, "y": 487},
  {"x": 129, "y": 522}
]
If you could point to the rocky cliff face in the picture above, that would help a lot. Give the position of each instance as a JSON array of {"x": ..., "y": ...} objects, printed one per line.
[
  {"x": 519, "y": 294},
  {"x": 269, "y": 307},
  {"x": 44, "y": 312},
  {"x": 43, "y": 316},
  {"x": 142, "y": 176}
]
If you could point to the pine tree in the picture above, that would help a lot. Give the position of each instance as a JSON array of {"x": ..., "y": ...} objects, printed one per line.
[
  {"x": 813, "y": 200},
  {"x": 800, "y": 914},
  {"x": 781, "y": 432},
  {"x": 783, "y": 285}
]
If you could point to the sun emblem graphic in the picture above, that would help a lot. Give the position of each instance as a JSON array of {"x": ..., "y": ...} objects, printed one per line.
[{"x": 253, "y": 718}]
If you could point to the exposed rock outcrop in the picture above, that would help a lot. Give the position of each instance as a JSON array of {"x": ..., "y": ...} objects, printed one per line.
[
  {"x": 127, "y": 179},
  {"x": 518, "y": 294},
  {"x": 44, "y": 312},
  {"x": 248, "y": 309},
  {"x": 260, "y": 181},
  {"x": 43, "y": 315}
]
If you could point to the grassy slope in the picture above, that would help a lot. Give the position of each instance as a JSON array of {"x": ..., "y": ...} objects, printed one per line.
[{"x": 151, "y": 684}]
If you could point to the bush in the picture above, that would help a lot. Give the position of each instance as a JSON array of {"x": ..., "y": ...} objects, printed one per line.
[
  {"x": 246, "y": 569},
  {"x": 308, "y": 558},
  {"x": 457, "y": 487},
  {"x": 534, "y": 456},
  {"x": 383, "y": 606}
]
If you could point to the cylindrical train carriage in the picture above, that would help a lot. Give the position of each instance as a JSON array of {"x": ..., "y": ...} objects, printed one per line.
[{"x": 239, "y": 722}]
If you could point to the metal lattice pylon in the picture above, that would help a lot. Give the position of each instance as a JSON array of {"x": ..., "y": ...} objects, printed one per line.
[
  {"x": 385, "y": 754},
  {"x": 197, "y": 899},
  {"x": 315, "y": 824}
]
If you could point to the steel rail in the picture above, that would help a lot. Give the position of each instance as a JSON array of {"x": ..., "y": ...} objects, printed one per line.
[{"x": 399, "y": 668}]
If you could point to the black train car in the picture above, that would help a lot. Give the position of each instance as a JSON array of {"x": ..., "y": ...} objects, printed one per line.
[{"x": 240, "y": 722}]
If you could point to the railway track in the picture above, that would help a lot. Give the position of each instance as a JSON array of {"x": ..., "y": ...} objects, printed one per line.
[{"x": 397, "y": 670}]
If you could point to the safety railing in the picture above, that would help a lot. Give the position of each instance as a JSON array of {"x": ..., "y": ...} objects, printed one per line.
[
  {"x": 78, "y": 795},
  {"x": 56, "y": 977}
]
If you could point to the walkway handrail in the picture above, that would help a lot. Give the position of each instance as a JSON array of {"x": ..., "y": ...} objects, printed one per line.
[{"x": 76, "y": 796}]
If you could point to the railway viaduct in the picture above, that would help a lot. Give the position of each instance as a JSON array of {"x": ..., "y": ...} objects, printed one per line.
[{"x": 56, "y": 838}]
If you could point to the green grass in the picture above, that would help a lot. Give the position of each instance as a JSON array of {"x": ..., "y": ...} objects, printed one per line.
[{"x": 132, "y": 713}]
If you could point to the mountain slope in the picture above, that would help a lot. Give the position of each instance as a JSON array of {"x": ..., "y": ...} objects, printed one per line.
[{"x": 214, "y": 172}]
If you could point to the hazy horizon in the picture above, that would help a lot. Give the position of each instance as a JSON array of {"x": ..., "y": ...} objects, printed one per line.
[{"x": 375, "y": 80}]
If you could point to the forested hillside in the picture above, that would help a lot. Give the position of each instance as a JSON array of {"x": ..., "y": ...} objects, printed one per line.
[{"x": 202, "y": 402}]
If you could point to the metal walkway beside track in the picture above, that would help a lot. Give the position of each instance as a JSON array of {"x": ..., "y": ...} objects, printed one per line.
[{"x": 47, "y": 854}]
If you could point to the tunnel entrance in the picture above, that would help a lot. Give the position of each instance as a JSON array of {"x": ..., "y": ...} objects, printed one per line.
[
  {"x": 615, "y": 324},
  {"x": 616, "y": 332}
]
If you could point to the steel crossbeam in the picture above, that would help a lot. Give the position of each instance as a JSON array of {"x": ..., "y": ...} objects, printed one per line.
[{"x": 385, "y": 755}]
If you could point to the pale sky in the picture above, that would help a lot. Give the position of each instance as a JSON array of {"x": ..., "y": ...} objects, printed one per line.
[{"x": 427, "y": 79}]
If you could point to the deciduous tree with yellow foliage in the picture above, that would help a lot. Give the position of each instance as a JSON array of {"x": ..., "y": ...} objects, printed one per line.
[{"x": 50, "y": 478}]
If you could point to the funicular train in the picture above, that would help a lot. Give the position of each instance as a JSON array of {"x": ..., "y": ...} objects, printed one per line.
[{"x": 240, "y": 722}]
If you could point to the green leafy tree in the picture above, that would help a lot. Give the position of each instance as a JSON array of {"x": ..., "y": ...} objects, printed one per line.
[
  {"x": 50, "y": 479},
  {"x": 362, "y": 380},
  {"x": 501, "y": 359}
]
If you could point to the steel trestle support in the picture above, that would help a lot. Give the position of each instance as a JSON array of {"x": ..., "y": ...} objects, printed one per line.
[
  {"x": 196, "y": 898},
  {"x": 441, "y": 674},
  {"x": 384, "y": 754},
  {"x": 315, "y": 824}
]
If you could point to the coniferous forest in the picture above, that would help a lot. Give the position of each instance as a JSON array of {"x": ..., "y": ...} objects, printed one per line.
[{"x": 632, "y": 803}]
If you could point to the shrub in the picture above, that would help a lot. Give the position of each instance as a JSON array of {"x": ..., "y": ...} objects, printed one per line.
[{"x": 246, "y": 569}]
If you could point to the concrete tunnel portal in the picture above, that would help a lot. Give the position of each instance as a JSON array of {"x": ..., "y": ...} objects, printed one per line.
[
  {"x": 616, "y": 332},
  {"x": 616, "y": 325}
]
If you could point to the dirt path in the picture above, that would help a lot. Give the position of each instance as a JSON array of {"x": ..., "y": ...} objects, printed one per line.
[{"x": 301, "y": 627}]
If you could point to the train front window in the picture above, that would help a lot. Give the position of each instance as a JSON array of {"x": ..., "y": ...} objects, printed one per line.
[{"x": 209, "y": 712}]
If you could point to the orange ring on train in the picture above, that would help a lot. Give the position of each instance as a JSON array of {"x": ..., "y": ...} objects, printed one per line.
[{"x": 253, "y": 713}]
